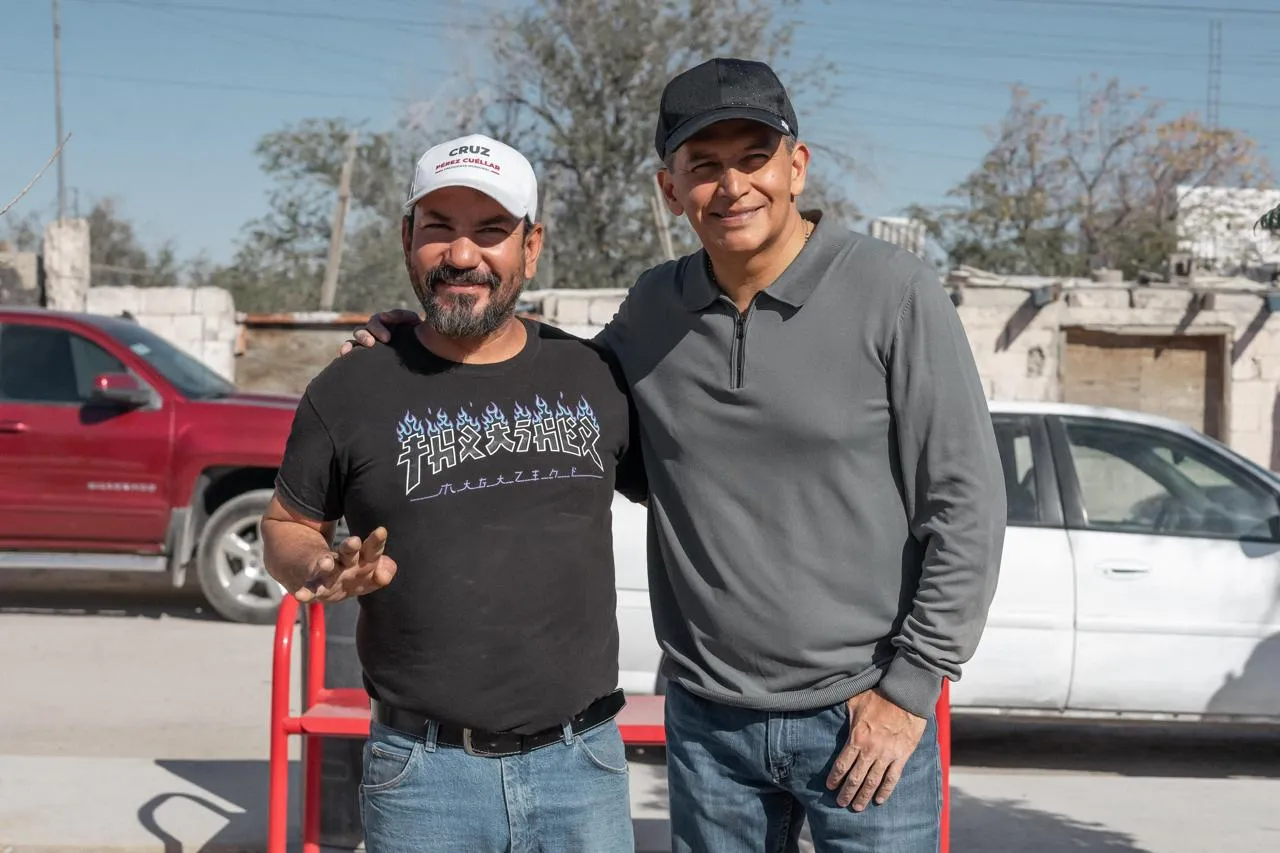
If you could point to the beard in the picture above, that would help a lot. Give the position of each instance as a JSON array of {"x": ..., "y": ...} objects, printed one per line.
[{"x": 456, "y": 316}]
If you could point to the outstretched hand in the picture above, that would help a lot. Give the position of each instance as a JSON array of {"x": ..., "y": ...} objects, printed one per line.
[
  {"x": 355, "y": 568},
  {"x": 378, "y": 328}
]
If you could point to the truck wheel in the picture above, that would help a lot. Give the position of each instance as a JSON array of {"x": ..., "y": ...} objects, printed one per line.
[{"x": 229, "y": 563}]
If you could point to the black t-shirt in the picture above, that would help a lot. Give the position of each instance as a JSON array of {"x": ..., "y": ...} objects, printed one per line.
[{"x": 495, "y": 484}]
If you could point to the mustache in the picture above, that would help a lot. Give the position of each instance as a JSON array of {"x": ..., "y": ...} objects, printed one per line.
[{"x": 445, "y": 272}]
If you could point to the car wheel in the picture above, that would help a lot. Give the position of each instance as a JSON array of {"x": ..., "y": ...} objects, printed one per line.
[{"x": 230, "y": 565}]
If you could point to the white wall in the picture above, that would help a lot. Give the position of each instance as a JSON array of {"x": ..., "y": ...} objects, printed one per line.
[
  {"x": 66, "y": 264},
  {"x": 199, "y": 320}
]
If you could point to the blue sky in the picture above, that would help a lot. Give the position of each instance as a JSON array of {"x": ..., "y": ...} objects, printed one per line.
[{"x": 166, "y": 98}]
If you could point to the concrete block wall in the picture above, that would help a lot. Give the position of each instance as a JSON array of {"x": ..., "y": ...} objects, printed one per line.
[
  {"x": 1028, "y": 366},
  {"x": 20, "y": 270},
  {"x": 201, "y": 320},
  {"x": 578, "y": 308}
]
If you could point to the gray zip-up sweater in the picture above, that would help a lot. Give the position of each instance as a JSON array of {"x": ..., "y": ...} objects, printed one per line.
[{"x": 827, "y": 506}]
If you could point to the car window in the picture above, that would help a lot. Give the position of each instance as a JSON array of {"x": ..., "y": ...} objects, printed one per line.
[
  {"x": 1017, "y": 457},
  {"x": 41, "y": 364},
  {"x": 1138, "y": 479}
]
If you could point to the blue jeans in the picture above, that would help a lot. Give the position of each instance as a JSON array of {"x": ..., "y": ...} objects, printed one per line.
[
  {"x": 417, "y": 796},
  {"x": 744, "y": 781}
]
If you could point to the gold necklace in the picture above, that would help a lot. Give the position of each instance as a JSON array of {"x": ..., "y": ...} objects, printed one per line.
[{"x": 808, "y": 226}]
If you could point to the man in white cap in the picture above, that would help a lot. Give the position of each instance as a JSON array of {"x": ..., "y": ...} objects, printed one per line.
[{"x": 474, "y": 459}]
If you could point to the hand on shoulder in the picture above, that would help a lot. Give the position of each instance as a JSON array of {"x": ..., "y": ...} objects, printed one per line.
[{"x": 378, "y": 329}]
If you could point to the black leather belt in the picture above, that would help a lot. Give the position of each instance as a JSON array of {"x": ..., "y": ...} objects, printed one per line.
[{"x": 497, "y": 744}]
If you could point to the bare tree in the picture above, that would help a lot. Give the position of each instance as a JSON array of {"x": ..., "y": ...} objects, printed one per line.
[
  {"x": 1057, "y": 197},
  {"x": 576, "y": 84}
]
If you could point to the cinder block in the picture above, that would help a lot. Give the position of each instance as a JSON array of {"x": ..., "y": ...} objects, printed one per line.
[
  {"x": 1245, "y": 305},
  {"x": 995, "y": 297},
  {"x": 1169, "y": 300},
  {"x": 1268, "y": 362},
  {"x": 189, "y": 328},
  {"x": 220, "y": 327},
  {"x": 168, "y": 300},
  {"x": 572, "y": 310},
  {"x": 602, "y": 310},
  {"x": 1246, "y": 367},
  {"x": 1253, "y": 444},
  {"x": 161, "y": 324},
  {"x": 1252, "y": 404},
  {"x": 218, "y": 356},
  {"x": 113, "y": 301},
  {"x": 1088, "y": 298},
  {"x": 229, "y": 331},
  {"x": 214, "y": 300}
]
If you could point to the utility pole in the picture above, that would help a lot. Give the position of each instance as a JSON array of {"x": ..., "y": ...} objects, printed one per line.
[
  {"x": 329, "y": 288},
  {"x": 57, "y": 109},
  {"x": 657, "y": 205},
  {"x": 548, "y": 260},
  {"x": 1215, "y": 74}
]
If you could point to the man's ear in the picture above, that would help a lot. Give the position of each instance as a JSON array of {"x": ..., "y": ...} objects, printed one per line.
[
  {"x": 532, "y": 249},
  {"x": 668, "y": 187},
  {"x": 799, "y": 168}
]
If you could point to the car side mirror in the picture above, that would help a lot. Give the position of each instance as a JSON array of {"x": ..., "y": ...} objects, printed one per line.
[{"x": 120, "y": 389}]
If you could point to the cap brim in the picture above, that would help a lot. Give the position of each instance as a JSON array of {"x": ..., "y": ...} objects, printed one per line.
[
  {"x": 461, "y": 181},
  {"x": 697, "y": 124}
]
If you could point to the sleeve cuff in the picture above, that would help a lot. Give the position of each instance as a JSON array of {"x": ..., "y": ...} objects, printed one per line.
[{"x": 912, "y": 687}]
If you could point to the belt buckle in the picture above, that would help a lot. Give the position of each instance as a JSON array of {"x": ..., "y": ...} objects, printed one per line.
[{"x": 469, "y": 747}]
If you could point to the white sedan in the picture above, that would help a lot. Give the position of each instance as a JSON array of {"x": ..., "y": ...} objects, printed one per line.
[{"x": 1140, "y": 577}]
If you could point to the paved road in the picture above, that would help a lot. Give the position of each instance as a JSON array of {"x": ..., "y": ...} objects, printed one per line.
[{"x": 146, "y": 716}]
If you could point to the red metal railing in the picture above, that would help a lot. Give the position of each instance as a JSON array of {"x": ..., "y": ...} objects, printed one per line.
[{"x": 344, "y": 712}]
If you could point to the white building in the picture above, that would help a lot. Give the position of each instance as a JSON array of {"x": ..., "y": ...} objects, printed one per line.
[{"x": 1216, "y": 226}]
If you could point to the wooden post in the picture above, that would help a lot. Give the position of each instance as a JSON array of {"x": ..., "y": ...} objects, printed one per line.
[
  {"x": 658, "y": 206},
  {"x": 329, "y": 288}
]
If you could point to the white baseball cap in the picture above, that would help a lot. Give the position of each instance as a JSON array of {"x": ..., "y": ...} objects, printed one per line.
[{"x": 487, "y": 165}]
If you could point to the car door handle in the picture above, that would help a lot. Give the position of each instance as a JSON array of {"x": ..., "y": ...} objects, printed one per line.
[
  {"x": 1125, "y": 570},
  {"x": 12, "y": 426}
]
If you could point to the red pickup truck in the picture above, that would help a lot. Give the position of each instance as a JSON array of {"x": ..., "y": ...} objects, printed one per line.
[{"x": 120, "y": 452}]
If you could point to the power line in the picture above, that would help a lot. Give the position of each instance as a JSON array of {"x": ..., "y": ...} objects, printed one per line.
[
  {"x": 207, "y": 84},
  {"x": 1119, "y": 5},
  {"x": 371, "y": 20},
  {"x": 179, "y": 15},
  {"x": 955, "y": 81},
  {"x": 1271, "y": 60},
  {"x": 948, "y": 32}
]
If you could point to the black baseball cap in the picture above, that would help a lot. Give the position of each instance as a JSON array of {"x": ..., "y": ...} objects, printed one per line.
[{"x": 718, "y": 90}]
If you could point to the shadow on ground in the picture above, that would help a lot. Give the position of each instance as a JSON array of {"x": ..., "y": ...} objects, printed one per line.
[
  {"x": 1191, "y": 750},
  {"x": 91, "y": 601},
  {"x": 998, "y": 826}
]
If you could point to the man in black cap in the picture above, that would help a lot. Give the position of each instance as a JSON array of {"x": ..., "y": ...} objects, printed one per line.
[{"x": 826, "y": 502}]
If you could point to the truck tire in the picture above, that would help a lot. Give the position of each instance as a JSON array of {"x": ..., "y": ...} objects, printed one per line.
[{"x": 229, "y": 563}]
